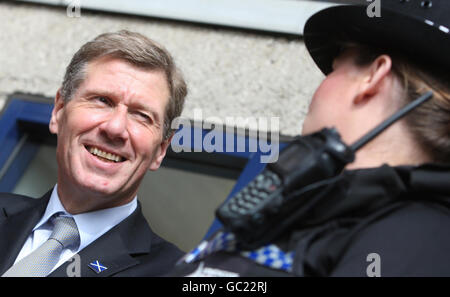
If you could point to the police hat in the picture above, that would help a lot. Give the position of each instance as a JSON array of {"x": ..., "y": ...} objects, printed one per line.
[{"x": 419, "y": 29}]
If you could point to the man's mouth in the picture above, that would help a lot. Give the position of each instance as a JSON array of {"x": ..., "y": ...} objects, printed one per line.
[{"x": 104, "y": 156}]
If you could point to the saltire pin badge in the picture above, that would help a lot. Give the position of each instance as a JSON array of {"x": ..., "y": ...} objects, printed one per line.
[{"x": 97, "y": 266}]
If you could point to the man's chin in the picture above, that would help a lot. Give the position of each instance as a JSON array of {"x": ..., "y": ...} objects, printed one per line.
[{"x": 103, "y": 187}]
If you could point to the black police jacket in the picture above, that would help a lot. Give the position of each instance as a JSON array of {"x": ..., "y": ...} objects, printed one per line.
[{"x": 385, "y": 221}]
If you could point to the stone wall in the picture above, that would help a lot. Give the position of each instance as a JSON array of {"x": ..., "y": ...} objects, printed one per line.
[{"x": 230, "y": 72}]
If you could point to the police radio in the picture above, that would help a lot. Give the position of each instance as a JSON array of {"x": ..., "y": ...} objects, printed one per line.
[{"x": 271, "y": 202}]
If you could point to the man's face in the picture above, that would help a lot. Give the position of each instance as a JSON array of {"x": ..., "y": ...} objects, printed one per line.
[
  {"x": 332, "y": 102},
  {"x": 110, "y": 132}
]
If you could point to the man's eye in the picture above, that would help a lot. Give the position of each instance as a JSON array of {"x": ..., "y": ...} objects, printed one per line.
[
  {"x": 145, "y": 117},
  {"x": 103, "y": 100}
]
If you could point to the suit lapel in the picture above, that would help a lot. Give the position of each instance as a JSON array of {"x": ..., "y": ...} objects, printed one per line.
[
  {"x": 115, "y": 248},
  {"x": 16, "y": 227},
  {"x": 108, "y": 250}
]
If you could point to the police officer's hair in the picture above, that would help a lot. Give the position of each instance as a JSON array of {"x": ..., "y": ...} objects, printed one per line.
[
  {"x": 429, "y": 123},
  {"x": 137, "y": 50}
]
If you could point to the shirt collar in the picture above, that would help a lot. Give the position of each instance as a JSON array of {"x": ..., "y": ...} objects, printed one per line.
[{"x": 91, "y": 225}]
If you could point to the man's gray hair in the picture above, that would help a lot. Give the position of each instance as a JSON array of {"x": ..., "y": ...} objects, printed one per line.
[{"x": 137, "y": 50}]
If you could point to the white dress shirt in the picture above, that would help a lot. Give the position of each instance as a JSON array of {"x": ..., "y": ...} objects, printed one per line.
[{"x": 91, "y": 225}]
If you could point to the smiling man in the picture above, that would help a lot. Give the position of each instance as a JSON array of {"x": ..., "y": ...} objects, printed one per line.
[{"x": 112, "y": 119}]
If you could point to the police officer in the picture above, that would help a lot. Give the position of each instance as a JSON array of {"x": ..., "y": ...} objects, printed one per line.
[{"x": 388, "y": 213}]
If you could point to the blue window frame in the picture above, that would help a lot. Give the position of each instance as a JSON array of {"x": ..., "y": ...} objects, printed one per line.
[{"x": 24, "y": 125}]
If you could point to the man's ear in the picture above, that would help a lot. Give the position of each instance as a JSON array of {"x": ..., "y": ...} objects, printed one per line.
[
  {"x": 375, "y": 76},
  {"x": 161, "y": 153},
  {"x": 56, "y": 113}
]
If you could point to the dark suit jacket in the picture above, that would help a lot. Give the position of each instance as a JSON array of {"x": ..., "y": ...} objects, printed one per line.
[{"x": 128, "y": 249}]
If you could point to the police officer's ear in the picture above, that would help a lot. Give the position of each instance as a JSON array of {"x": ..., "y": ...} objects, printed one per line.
[
  {"x": 56, "y": 113},
  {"x": 376, "y": 77}
]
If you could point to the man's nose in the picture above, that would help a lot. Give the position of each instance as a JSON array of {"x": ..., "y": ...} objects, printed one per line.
[{"x": 115, "y": 127}]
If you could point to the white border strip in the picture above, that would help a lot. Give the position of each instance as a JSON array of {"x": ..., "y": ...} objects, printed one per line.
[{"x": 282, "y": 16}]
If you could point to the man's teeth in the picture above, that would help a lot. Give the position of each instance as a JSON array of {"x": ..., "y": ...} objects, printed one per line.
[{"x": 109, "y": 156}]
